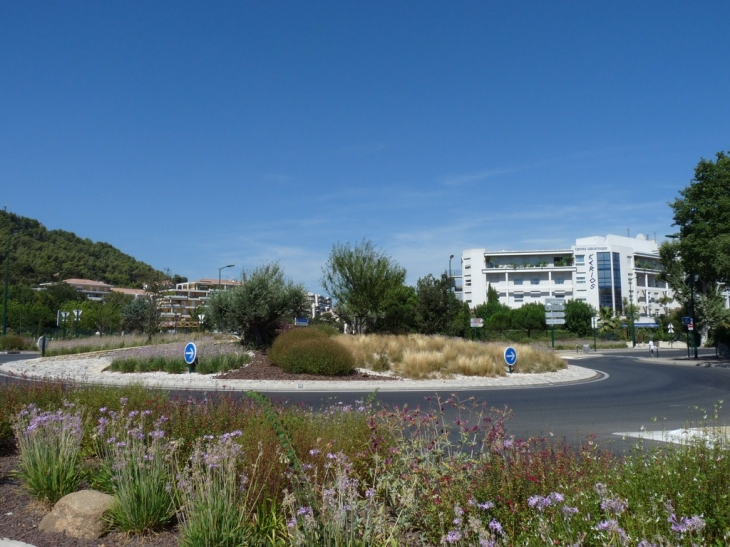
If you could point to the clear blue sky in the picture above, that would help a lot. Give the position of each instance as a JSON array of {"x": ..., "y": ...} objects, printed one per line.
[{"x": 192, "y": 135}]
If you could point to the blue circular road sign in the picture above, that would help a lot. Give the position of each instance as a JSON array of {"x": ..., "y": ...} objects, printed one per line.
[
  {"x": 191, "y": 352},
  {"x": 510, "y": 356}
]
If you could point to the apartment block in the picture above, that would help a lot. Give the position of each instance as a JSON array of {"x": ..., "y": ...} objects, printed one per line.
[{"x": 603, "y": 271}]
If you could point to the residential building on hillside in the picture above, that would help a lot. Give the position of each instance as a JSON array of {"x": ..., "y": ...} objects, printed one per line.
[
  {"x": 601, "y": 271},
  {"x": 179, "y": 307},
  {"x": 94, "y": 290}
]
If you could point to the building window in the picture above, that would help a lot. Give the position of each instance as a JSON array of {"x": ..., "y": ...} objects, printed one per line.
[
  {"x": 519, "y": 297},
  {"x": 559, "y": 281},
  {"x": 534, "y": 281},
  {"x": 580, "y": 260},
  {"x": 518, "y": 281},
  {"x": 580, "y": 280},
  {"x": 467, "y": 282}
]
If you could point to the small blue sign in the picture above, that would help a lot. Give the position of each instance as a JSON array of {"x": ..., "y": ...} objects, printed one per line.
[
  {"x": 191, "y": 352},
  {"x": 510, "y": 356},
  {"x": 301, "y": 321}
]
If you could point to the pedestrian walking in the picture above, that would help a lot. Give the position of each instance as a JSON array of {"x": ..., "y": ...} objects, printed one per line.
[{"x": 651, "y": 348}]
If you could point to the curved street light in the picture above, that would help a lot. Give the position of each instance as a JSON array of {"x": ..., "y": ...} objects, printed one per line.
[{"x": 219, "y": 273}]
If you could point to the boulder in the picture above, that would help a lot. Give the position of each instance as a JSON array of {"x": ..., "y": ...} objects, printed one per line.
[{"x": 79, "y": 515}]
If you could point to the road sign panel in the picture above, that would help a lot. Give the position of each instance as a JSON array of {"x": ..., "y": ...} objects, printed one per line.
[
  {"x": 510, "y": 355},
  {"x": 191, "y": 352},
  {"x": 476, "y": 322},
  {"x": 554, "y": 301},
  {"x": 555, "y": 321},
  {"x": 554, "y": 314}
]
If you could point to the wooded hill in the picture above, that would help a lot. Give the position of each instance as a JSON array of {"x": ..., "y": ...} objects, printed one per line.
[{"x": 39, "y": 255}]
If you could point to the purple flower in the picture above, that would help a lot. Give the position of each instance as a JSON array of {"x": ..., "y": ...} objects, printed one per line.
[
  {"x": 496, "y": 527},
  {"x": 614, "y": 505},
  {"x": 453, "y": 536},
  {"x": 684, "y": 524}
]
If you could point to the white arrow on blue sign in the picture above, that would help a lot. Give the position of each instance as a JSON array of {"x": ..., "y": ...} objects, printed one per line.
[
  {"x": 191, "y": 352},
  {"x": 510, "y": 356}
]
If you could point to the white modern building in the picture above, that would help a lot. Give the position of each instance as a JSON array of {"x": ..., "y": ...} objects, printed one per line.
[{"x": 601, "y": 271}]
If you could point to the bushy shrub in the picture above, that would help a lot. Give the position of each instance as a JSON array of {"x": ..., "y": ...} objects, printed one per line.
[
  {"x": 14, "y": 342},
  {"x": 292, "y": 338},
  {"x": 316, "y": 355},
  {"x": 329, "y": 330}
]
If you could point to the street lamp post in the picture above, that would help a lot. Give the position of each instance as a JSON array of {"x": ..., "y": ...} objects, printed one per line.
[
  {"x": 691, "y": 301},
  {"x": 631, "y": 310},
  {"x": 62, "y": 316},
  {"x": 77, "y": 314},
  {"x": 692, "y": 311},
  {"x": 219, "y": 273},
  {"x": 450, "y": 258},
  {"x": 7, "y": 277}
]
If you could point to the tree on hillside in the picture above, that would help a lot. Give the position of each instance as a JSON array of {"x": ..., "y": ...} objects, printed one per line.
[
  {"x": 359, "y": 278},
  {"x": 256, "y": 307},
  {"x": 578, "y": 317}
]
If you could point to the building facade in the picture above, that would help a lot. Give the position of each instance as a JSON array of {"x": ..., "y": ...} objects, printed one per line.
[{"x": 609, "y": 271}]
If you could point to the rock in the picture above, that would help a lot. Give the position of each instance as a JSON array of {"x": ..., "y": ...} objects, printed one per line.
[{"x": 79, "y": 515}]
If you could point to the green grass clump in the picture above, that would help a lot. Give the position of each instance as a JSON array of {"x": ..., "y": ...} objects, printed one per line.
[
  {"x": 13, "y": 342},
  {"x": 175, "y": 365},
  {"x": 49, "y": 443},
  {"x": 311, "y": 351}
]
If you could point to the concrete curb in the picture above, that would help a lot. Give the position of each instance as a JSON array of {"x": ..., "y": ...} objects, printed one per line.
[{"x": 90, "y": 370}]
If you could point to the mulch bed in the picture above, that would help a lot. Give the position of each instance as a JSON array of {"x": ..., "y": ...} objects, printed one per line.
[{"x": 20, "y": 513}]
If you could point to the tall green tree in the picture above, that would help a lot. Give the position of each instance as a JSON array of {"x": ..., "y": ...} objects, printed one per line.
[
  {"x": 399, "y": 311},
  {"x": 359, "y": 278},
  {"x": 134, "y": 314},
  {"x": 436, "y": 304},
  {"x": 578, "y": 317},
  {"x": 702, "y": 214},
  {"x": 529, "y": 317},
  {"x": 255, "y": 308}
]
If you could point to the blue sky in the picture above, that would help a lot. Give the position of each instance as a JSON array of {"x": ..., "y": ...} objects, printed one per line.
[{"x": 193, "y": 135}]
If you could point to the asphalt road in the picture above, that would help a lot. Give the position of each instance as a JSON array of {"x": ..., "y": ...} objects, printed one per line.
[{"x": 633, "y": 393}]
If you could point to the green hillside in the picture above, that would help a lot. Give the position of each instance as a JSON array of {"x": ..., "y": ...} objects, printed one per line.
[{"x": 39, "y": 255}]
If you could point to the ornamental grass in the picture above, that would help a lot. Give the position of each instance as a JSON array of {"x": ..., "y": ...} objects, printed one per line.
[{"x": 418, "y": 356}]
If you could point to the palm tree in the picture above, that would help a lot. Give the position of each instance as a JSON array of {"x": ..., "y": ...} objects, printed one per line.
[{"x": 609, "y": 321}]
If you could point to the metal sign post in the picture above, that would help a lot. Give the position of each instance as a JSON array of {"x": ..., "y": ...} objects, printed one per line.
[
  {"x": 554, "y": 314},
  {"x": 510, "y": 357},
  {"x": 191, "y": 355}
]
